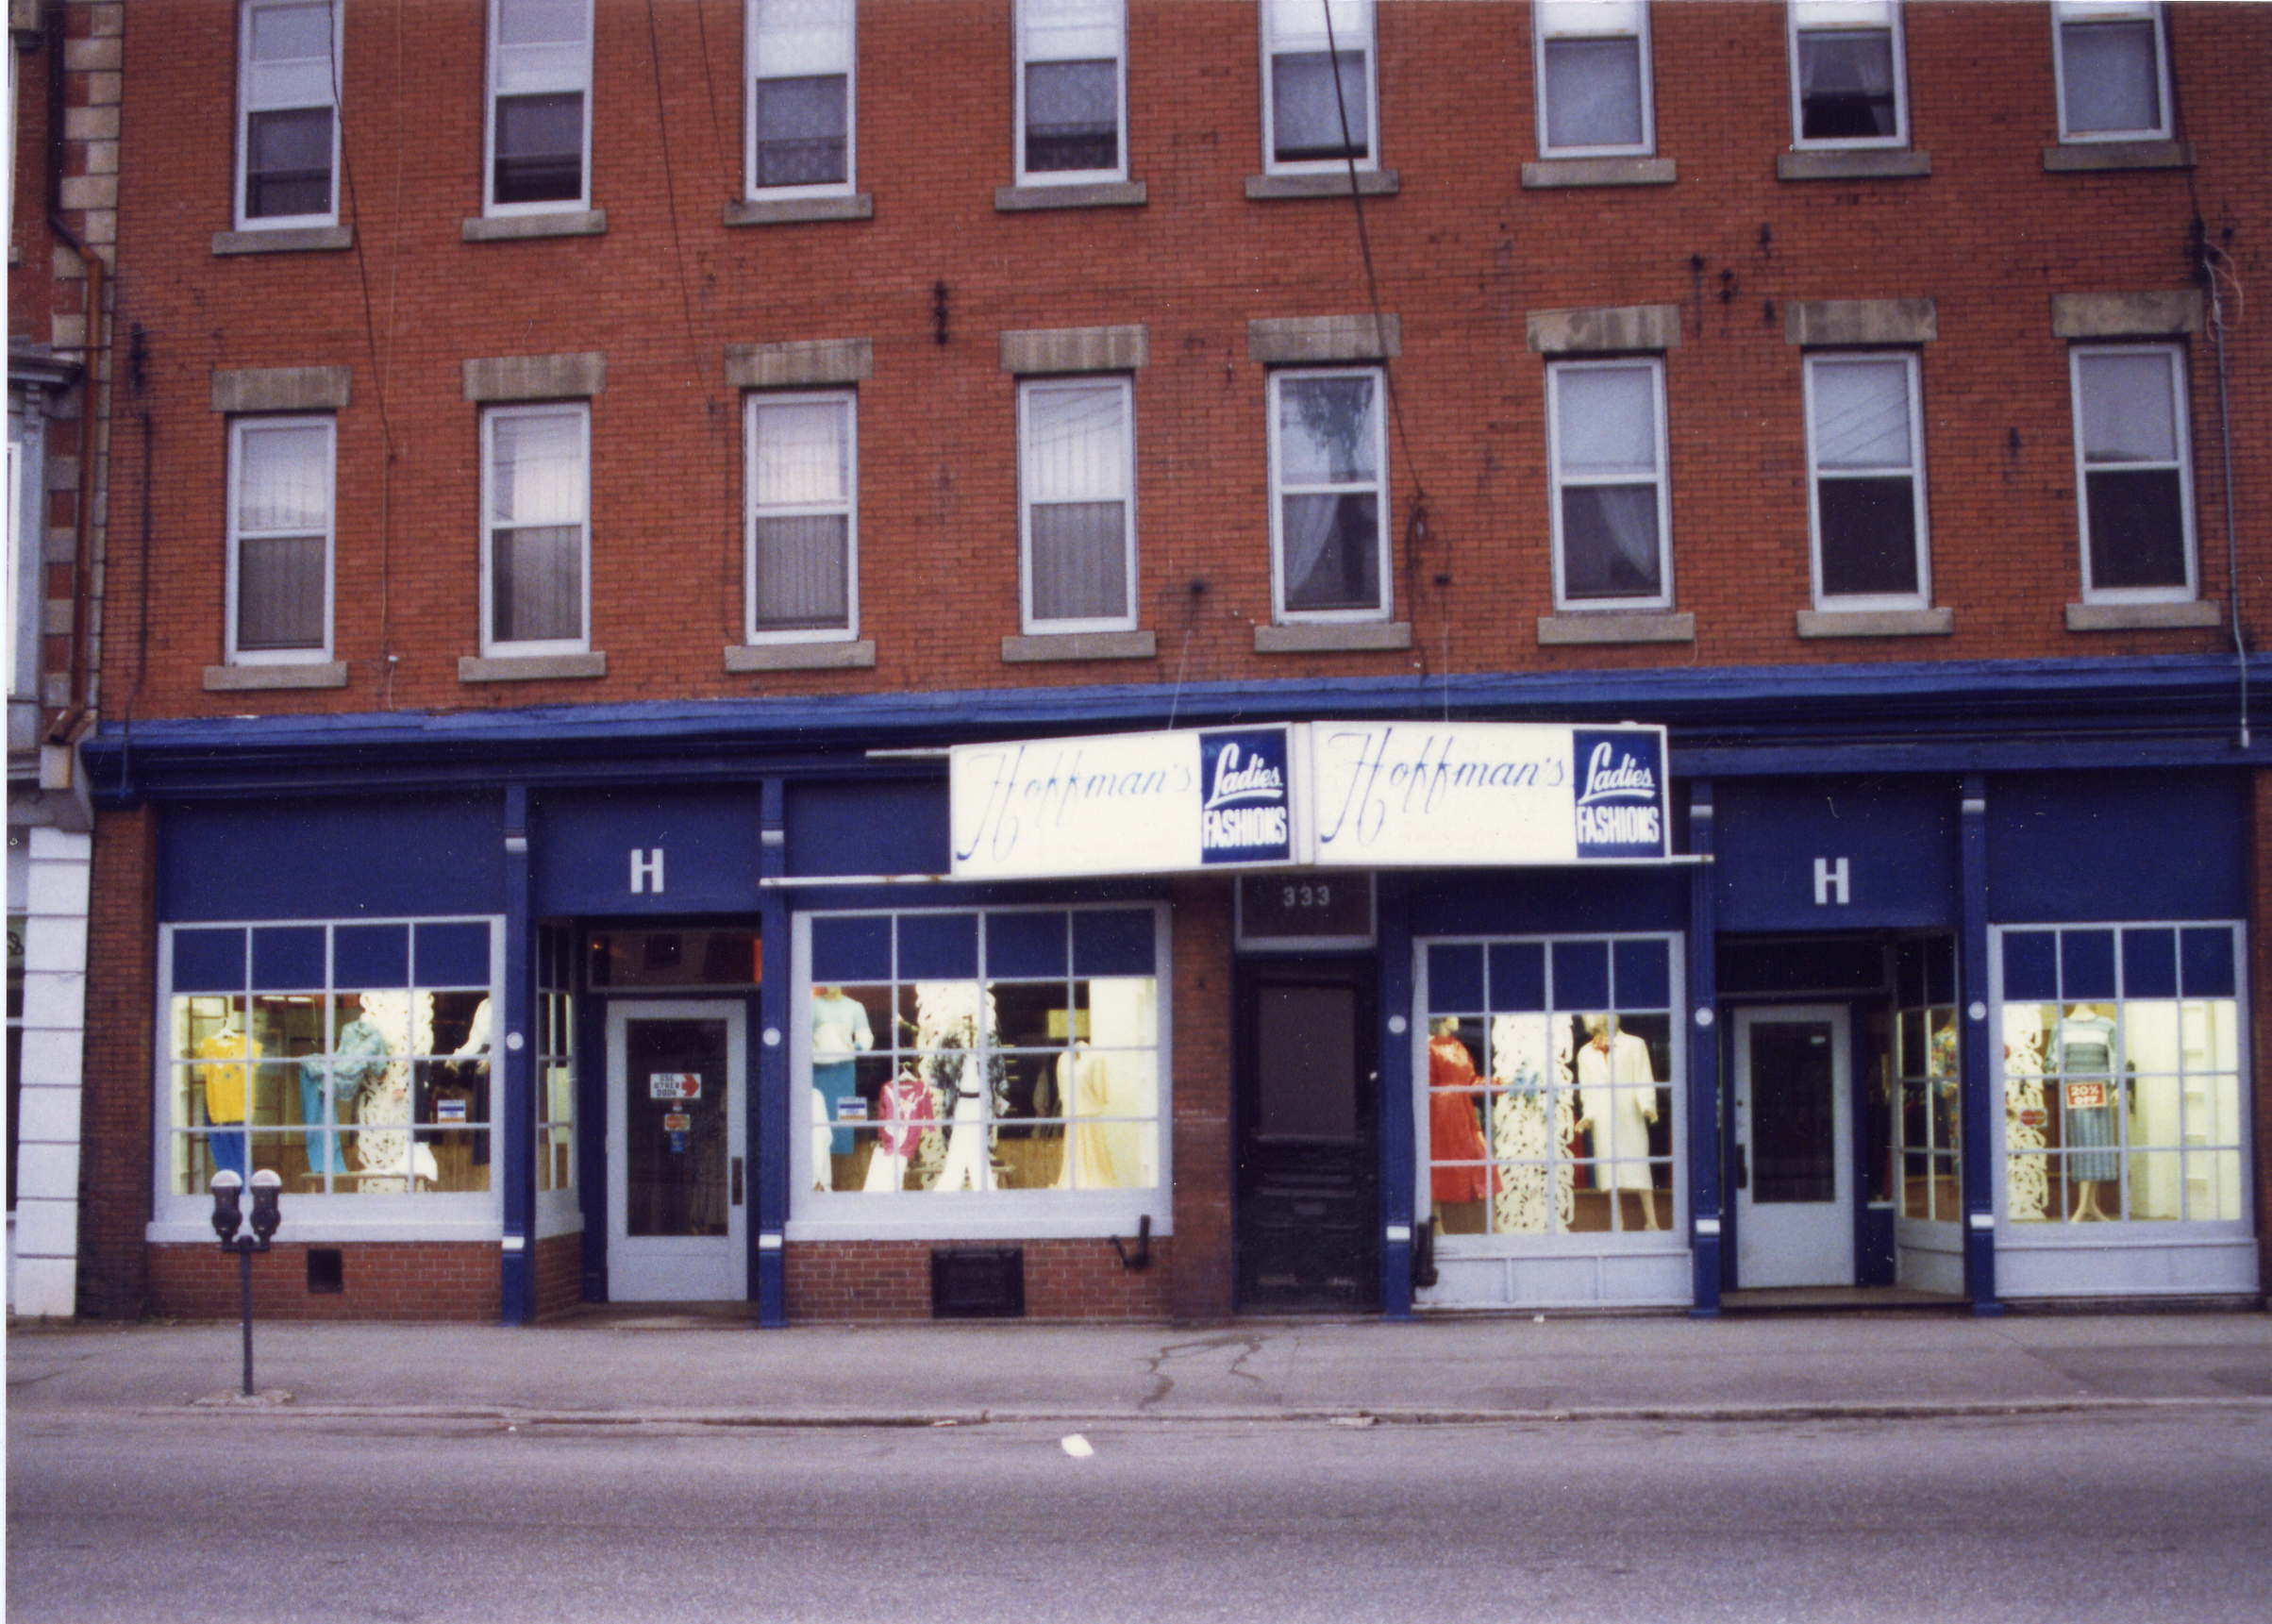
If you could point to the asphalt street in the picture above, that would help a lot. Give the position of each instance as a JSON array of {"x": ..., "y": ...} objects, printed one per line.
[{"x": 2161, "y": 1513}]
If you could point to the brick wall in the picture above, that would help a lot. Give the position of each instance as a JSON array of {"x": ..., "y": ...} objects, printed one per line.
[
  {"x": 2260, "y": 1007},
  {"x": 891, "y": 1279},
  {"x": 415, "y": 1280},
  {"x": 560, "y": 1274},
  {"x": 1202, "y": 1147},
  {"x": 1462, "y": 253},
  {"x": 117, "y": 1100}
]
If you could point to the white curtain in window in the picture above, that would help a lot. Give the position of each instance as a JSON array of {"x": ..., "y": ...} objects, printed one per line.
[
  {"x": 283, "y": 522},
  {"x": 800, "y": 456},
  {"x": 2110, "y": 77},
  {"x": 2128, "y": 414},
  {"x": 284, "y": 481},
  {"x": 541, "y": 46},
  {"x": 536, "y": 474},
  {"x": 1846, "y": 64},
  {"x": 1606, "y": 435},
  {"x": 1861, "y": 414},
  {"x": 1592, "y": 93},
  {"x": 290, "y": 57},
  {"x": 794, "y": 39},
  {"x": 1075, "y": 473},
  {"x": 1300, "y": 25},
  {"x": 1607, "y": 424},
  {"x": 1071, "y": 30}
]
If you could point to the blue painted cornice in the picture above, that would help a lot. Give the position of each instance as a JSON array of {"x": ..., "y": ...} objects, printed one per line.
[{"x": 1907, "y": 716}]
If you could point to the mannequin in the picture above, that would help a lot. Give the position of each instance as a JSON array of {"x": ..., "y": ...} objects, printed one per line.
[
  {"x": 384, "y": 1150},
  {"x": 839, "y": 1030},
  {"x": 2086, "y": 1041},
  {"x": 1455, "y": 1137},
  {"x": 904, "y": 1107},
  {"x": 1084, "y": 1093},
  {"x": 473, "y": 1071},
  {"x": 967, "y": 1166},
  {"x": 1617, "y": 1098},
  {"x": 225, "y": 1094},
  {"x": 355, "y": 1061}
]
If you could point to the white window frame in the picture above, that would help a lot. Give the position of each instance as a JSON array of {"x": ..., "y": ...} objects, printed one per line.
[
  {"x": 400, "y": 1216},
  {"x": 249, "y": 102},
  {"x": 1847, "y": 17},
  {"x": 1621, "y": 20},
  {"x": 2068, "y": 14},
  {"x": 559, "y": 1209},
  {"x": 1913, "y": 472},
  {"x": 1379, "y": 487},
  {"x": 752, "y": 33},
  {"x": 238, "y": 429},
  {"x": 2180, "y": 415},
  {"x": 491, "y": 417},
  {"x": 1029, "y": 389},
  {"x": 1558, "y": 480},
  {"x": 753, "y": 406},
  {"x": 1273, "y": 45},
  {"x": 978, "y": 1214},
  {"x": 556, "y": 83},
  {"x": 1026, "y": 30}
]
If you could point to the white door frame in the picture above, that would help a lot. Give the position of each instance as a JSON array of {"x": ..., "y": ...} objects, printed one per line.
[
  {"x": 643, "y": 1268},
  {"x": 1794, "y": 1243}
]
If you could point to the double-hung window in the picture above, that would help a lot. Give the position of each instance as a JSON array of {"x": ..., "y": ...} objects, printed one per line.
[
  {"x": 1847, "y": 74},
  {"x": 539, "y": 125},
  {"x": 1318, "y": 81},
  {"x": 1593, "y": 68},
  {"x": 286, "y": 108},
  {"x": 1077, "y": 469},
  {"x": 2132, "y": 470},
  {"x": 1072, "y": 91},
  {"x": 1329, "y": 484},
  {"x": 279, "y": 553},
  {"x": 803, "y": 568},
  {"x": 1605, "y": 420},
  {"x": 2113, "y": 70},
  {"x": 1865, "y": 482},
  {"x": 800, "y": 96},
  {"x": 536, "y": 532}
]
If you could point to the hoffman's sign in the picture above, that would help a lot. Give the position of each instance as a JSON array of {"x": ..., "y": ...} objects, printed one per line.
[{"x": 1334, "y": 795}]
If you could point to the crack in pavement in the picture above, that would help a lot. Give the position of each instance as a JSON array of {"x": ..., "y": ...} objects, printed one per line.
[{"x": 1162, "y": 1383}]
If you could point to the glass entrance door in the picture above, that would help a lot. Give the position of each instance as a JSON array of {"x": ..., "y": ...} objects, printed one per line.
[
  {"x": 677, "y": 1156},
  {"x": 1309, "y": 1151},
  {"x": 1794, "y": 1126}
]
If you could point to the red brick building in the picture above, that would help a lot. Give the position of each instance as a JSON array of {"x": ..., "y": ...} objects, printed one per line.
[{"x": 1716, "y": 544}]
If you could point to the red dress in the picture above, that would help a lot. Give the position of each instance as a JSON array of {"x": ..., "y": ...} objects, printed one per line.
[{"x": 1454, "y": 1133}]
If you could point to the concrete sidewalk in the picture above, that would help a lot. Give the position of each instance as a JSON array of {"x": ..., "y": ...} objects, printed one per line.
[{"x": 672, "y": 1368}]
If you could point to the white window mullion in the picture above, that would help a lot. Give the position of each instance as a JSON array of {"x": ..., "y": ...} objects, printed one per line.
[
  {"x": 538, "y": 140},
  {"x": 802, "y": 564},
  {"x": 1320, "y": 86},
  {"x": 280, "y": 543},
  {"x": 1077, "y": 513}
]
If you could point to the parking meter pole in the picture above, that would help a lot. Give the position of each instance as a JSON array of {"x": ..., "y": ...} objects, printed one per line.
[{"x": 245, "y": 1279}]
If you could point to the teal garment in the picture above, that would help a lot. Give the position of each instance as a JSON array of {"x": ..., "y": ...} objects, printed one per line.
[
  {"x": 839, "y": 1030},
  {"x": 362, "y": 1055}
]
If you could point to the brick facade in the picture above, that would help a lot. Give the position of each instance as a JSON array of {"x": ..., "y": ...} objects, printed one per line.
[
  {"x": 891, "y": 1279},
  {"x": 419, "y": 1281}
]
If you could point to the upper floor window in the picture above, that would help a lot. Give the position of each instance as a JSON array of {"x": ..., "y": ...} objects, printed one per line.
[
  {"x": 1072, "y": 93},
  {"x": 1846, "y": 79},
  {"x": 279, "y": 542},
  {"x": 1076, "y": 464},
  {"x": 1328, "y": 482},
  {"x": 1593, "y": 70},
  {"x": 2133, "y": 469},
  {"x": 540, "y": 83},
  {"x": 1867, "y": 484},
  {"x": 2113, "y": 70},
  {"x": 1317, "y": 84},
  {"x": 803, "y": 568},
  {"x": 286, "y": 108},
  {"x": 800, "y": 94},
  {"x": 536, "y": 534},
  {"x": 1605, "y": 420}
]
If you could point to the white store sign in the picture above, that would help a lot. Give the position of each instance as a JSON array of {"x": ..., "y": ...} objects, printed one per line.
[{"x": 1328, "y": 795}]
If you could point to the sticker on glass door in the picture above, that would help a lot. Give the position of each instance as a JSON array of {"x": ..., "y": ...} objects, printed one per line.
[{"x": 677, "y": 1152}]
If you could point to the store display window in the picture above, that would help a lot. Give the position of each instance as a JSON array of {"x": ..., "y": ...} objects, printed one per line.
[
  {"x": 2122, "y": 1068},
  {"x": 950, "y": 1056},
  {"x": 1552, "y": 1087},
  {"x": 1926, "y": 1115},
  {"x": 352, "y": 1058},
  {"x": 555, "y": 1070}
]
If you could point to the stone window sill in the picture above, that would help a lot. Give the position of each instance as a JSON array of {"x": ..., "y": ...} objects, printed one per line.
[
  {"x": 2145, "y": 616},
  {"x": 295, "y": 240},
  {"x": 523, "y": 227},
  {"x": 1333, "y": 637},
  {"x": 1867, "y": 163},
  {"x": 1095, "y": 195},
  {"x": 1876, "y": 622},
  {"x": 847, "y": 655},
  {"x": 1038, "y": 646},
  {"x": 1328, "y": 183},
  {"x": 256, "y": 679},
  {"x": 2088, "y": 156},
  {"x": 1552, "y": 172},
  {"x": 1646, "y": 626},
  {"x": 530, "y": 667},
  {"x": 797, "y": 210}
]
